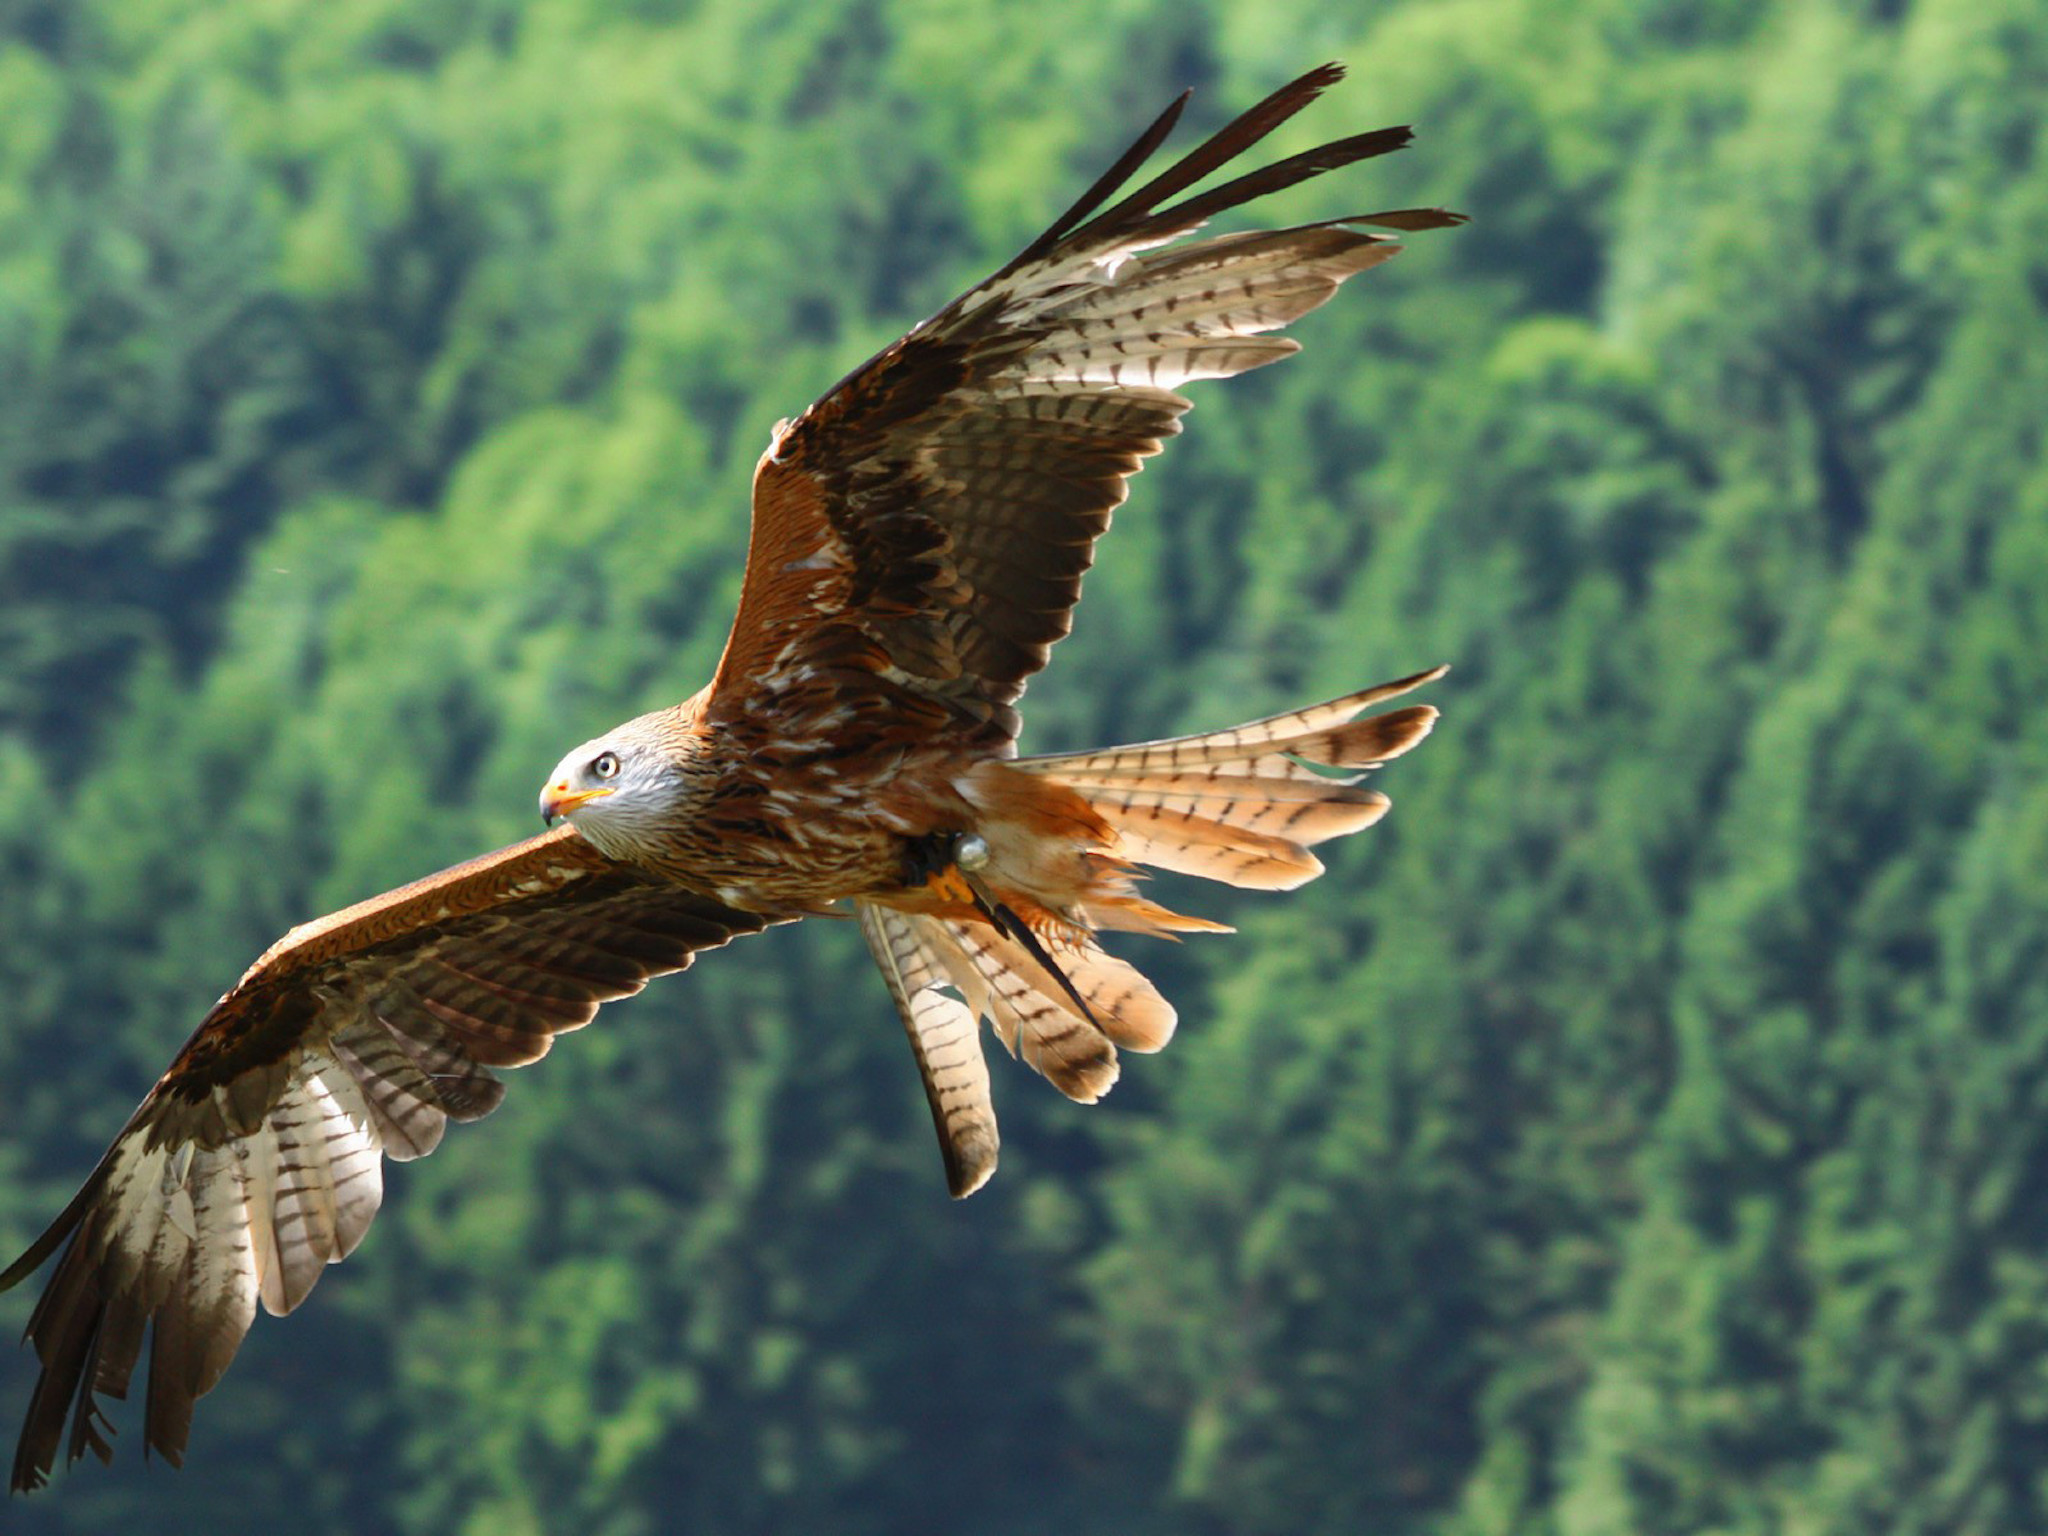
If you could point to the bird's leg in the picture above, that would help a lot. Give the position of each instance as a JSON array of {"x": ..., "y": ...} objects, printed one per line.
[{"x": 966, "y": 854}]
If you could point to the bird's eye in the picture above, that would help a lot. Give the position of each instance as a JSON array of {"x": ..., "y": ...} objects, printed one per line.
[{"x": 605, "y": 765}]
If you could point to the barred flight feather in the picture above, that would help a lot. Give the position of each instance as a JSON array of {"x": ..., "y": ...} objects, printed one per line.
[
  {"x": 945, "y": 1038},
  {"x": 1244, "y": 806},
  {"x": 1031, "y": 1014},
  {"x": 1296, "y": 731}
]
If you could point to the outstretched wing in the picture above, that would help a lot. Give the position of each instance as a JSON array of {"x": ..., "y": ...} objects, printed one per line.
[
  {"x": 920, "y": 533},
  {"x": 257, "y": 1158}
]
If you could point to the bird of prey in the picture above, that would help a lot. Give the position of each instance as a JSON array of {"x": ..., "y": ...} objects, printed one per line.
[{"x": 919, "y": 539}]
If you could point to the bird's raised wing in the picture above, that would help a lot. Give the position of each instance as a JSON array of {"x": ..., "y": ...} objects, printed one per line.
[
  {"x": 257, "y": 1158},
  {"x": 920, "y": 534}
]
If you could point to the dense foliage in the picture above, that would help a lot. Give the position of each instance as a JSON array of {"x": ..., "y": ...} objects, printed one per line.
[{"x": 1645, "y": 1131}]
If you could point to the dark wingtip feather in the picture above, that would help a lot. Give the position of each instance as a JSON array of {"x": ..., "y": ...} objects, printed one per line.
[
  {"x": 1243, "y": 131},
  {"x": 1410, "y": 218},
  {"x": 52, "y": 1237},
  {"x": 91, "y": 1429},
  {"x": 1126, "y": 166},
  {"x": 66, "y": 1330},
  {"x": 1221, "y": 147},
  {"x": 1278, "y": 176}
]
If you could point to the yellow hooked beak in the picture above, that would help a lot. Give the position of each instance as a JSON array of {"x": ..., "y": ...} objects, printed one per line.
[{"x": 558, "y": 800}]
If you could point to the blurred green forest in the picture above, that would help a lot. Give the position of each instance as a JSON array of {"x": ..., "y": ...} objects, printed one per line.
[{"x": 1644, "y": 1132}]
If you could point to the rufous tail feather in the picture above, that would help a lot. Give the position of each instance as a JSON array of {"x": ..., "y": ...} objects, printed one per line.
[{"x": 1243, "y": 806}]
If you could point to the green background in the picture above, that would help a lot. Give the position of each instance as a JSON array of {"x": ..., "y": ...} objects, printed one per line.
[{"x": 1641, "y": 1132}]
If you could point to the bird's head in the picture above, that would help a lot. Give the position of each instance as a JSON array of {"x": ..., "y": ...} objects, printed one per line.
[{"x": 608, "y": 783}]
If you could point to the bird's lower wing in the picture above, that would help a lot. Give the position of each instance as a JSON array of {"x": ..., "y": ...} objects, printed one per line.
[{"x": 257, "y": 1159}]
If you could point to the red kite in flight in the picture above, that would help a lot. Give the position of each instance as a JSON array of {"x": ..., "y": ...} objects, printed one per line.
[{"x": 919, "y": 538}]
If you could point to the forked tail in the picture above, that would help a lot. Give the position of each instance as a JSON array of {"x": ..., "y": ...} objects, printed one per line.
[{"x": 1242, "y": 806}]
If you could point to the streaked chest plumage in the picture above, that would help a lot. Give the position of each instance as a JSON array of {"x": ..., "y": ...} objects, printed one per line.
[{"x": 803, "y": 800}]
